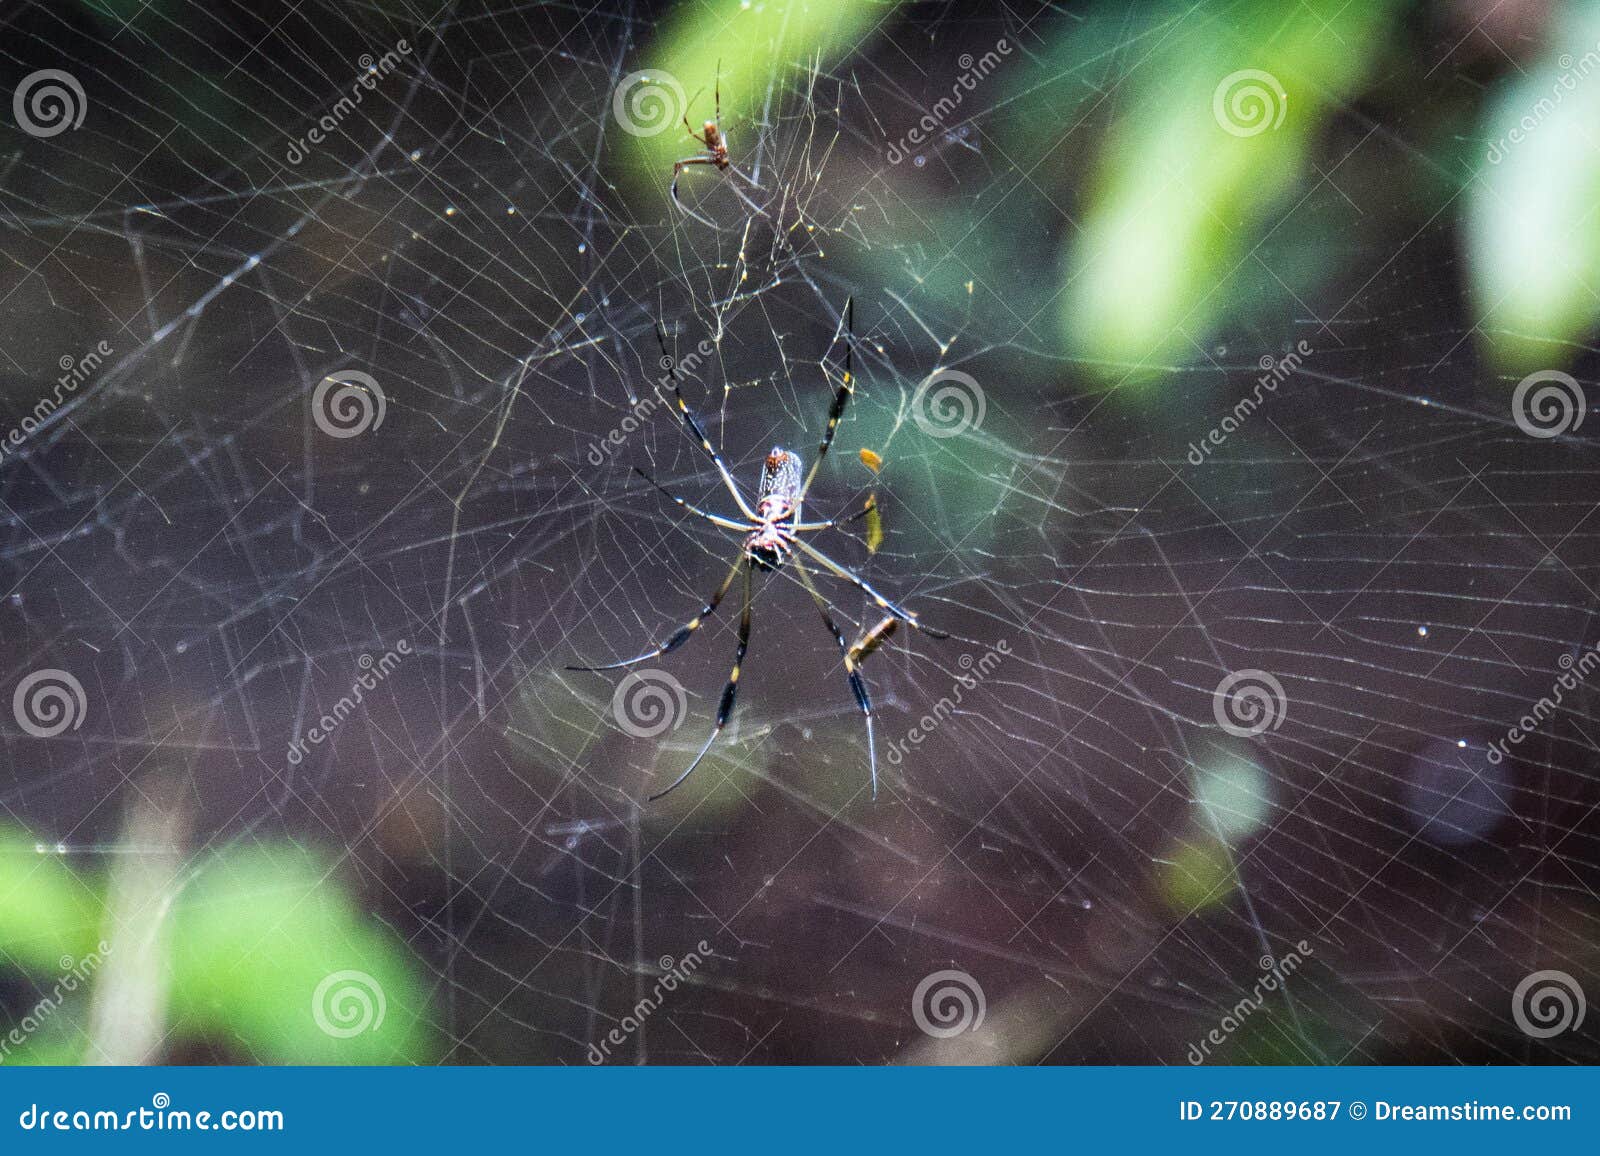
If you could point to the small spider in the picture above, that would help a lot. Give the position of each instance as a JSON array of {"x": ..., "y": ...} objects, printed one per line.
[
  {"x": 710, "y": 135},
  {"x": 771, "y": 535}
]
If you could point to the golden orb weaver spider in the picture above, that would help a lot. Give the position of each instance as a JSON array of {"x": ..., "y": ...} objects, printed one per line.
[{"x": 771, "y": 536}]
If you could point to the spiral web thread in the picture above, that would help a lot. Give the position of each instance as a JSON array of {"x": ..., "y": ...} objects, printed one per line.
[{"x": 186, "y": 540}]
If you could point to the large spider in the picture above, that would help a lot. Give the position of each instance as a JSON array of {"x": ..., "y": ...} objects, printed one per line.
[{"x": 771, "y": 535}]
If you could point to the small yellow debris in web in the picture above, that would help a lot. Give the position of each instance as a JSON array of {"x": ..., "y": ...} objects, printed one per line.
[
  {"x": 874, "y": 523},
  {"x": 871, "y": 460}
]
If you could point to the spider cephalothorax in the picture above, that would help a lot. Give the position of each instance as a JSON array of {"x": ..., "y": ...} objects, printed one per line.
[{"x": 772, "y": 533}]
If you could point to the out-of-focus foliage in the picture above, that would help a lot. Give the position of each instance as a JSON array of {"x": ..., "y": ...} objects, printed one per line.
[
  {"x": 1214, "y": 126},
  {"x": 1533, "y": 230},
  {"x": 253, "y": 934}
]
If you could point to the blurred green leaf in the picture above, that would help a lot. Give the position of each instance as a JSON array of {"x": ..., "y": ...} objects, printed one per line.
[
  {"x": 46, "y": 911},
  {"x": 272, "y": 959},
  {"x": 1532, "y": 225},
  {"x": 1219, "y": 115},
  {"x": 750, "y": 46}
]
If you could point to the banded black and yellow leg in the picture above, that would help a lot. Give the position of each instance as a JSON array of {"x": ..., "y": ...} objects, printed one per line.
[
  {"x": 714, "y": 519},
  {"x": 680, "y": 635},
  {"x": 852, "y": 662},
  {"x": 696, "y": 431},
  {"x": 841, "y": 397},
  {"x": 865, "y": 587},
  {"x": 729, "y": 693}
]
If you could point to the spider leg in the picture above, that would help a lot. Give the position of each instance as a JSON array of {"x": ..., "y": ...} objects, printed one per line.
[
  {"x": 841, "y": 397},
  {"x": 809, "y": 527},
  {"x": 714, "y": 519},
  {"x": 680, "y": 635},
  {"x": 861, "y": 584},
  {"x": 729, "y": 692},
  {"x": 851, "y": 664},
  {"x": 690, "y": 130},
  {"x": 692, "y": 424}
]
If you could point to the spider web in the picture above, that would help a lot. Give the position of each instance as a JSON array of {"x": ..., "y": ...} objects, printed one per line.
[{"x": 1077, "y": 833}]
